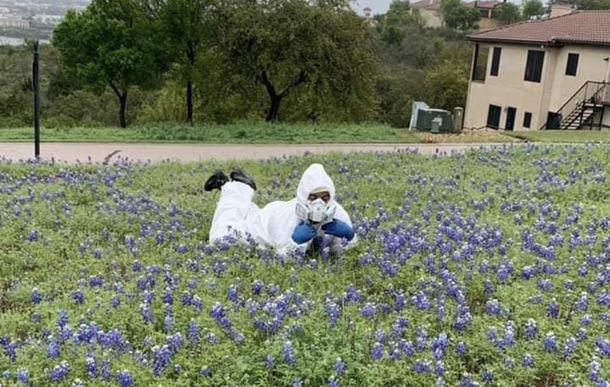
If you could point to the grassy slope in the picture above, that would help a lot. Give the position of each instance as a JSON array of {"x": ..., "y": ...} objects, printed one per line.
[{"x": 248, "y": 134}]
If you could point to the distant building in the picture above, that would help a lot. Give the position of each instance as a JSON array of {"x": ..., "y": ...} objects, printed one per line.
[
  {"x": 542, "y": 74},
  {"x": 430, "y": 10},
  {"x": 48, "y": 19},
  {"x": 14, "y": 23},
  {"x": 560, "y": 8}
]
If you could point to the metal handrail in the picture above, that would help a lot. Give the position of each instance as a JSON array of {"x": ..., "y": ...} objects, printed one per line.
[{"x": 589, "y": 91}]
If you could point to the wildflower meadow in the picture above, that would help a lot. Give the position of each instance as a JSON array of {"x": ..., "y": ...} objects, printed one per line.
[{"x": 484, "y": 268}]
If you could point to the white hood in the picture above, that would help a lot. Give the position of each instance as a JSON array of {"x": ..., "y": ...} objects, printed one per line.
[{"x": 315, "y": 179}]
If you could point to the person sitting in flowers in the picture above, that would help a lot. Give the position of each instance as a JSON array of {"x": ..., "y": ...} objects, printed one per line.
[{"x": 301, "y": 223}]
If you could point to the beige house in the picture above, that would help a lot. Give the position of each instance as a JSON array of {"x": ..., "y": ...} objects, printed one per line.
[
  {"x": 543, "y": 74},
  {"x": 430, "y": 10}
]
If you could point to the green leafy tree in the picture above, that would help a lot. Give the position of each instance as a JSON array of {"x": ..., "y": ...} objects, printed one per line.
[
  {"x": 399, "y": 19},
  {"x": 457, "y": 16},
  {"x": 111, "y": 44},
  {"x": 532, "y": 8},
  {"x": 591, "y": 4},
  {"x": 509, "y": 13},
  {"x": 187, "y": 25},
  {"x": 447, "y": 84},
  {"x": 286, "y": 45}
]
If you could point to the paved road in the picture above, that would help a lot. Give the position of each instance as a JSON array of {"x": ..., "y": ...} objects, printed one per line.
[{"x": 73, "y": 152}]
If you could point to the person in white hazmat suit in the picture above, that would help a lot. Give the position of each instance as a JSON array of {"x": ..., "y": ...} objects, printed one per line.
[{"x": 284, "y": 225}]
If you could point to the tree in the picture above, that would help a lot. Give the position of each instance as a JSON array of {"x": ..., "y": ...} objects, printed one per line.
[
  {"x": 284, "y": 45},
  {"x": 447, "y": 84},
  {"x": 457, "y": 16},
  {"x": 532, "y": 8},
  {"x": 111, "y": 44},
  {"x": 188, "y": 25},
  {"x": 398, "y": 20},
  {"x": 509, "y": 13},
  {"x": 591, "y": 4}
]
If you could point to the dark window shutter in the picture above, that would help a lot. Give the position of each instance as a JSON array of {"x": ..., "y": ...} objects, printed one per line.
[
  {"x": 572, "y": 66},
  {"x": 493, "y": 116},
  {"x": 495, "y": 62},
  {"x": 527, "y": 120},
  {"x": 533, "y": 66}
]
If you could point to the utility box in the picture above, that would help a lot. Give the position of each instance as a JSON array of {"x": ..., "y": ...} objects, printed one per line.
[
  {"x": 424, "y": 119},
  {"x": 458, "y": 119}
]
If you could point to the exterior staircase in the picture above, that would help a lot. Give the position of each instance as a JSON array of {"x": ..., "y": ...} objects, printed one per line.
[{"x": 582, "y": 108}]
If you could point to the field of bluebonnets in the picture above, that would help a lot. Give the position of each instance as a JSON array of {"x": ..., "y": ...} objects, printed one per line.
[{"x": 487, "y": 268}]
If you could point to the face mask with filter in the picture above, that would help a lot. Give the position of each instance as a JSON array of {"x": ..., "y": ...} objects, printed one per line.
[{"x": 316, "y": 211}]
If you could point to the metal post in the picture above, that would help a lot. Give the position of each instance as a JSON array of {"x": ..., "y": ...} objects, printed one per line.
[{"x": 36, "y": 84}]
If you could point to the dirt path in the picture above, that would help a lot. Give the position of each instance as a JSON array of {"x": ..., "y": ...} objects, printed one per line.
[{"x": 73, "y": 152}]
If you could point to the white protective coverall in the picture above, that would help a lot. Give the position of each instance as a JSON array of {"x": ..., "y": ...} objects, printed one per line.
[{"x": 274, "y": 224}]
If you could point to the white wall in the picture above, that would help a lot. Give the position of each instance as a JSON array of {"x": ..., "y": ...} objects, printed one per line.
[
  {"x": 510, "y": 89},
  {"x": 507, "y": 89}
]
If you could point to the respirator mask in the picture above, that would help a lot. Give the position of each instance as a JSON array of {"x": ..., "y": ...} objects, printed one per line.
[{"x": 316, "y": 211}]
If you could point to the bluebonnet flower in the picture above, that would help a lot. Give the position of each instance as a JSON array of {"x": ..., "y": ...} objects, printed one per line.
[
  {"x": 197, "y": 303},
  {"x": 23, "y": 376},
  {"x": 90, "y": 366},
  {"x": 488, "y": 377},
  {"x": 257, "y": 287},
  {"x": 269, "y": 361},
  {"x": 439, "y": 368},
  {"x": 570, "y": 347},
  {"x": 549, "y": 343},
  {"x": 531, "y": 329},
  {"x": 60, "y": 371},
  {"x": 146, "y": 313},
  {"x": 339, "y": 366},
  {"x": 78, "y": 296},
  {"x": 297, "y": 383},
  {"x": 553, "y": 309},
  {"x": 333, "y": 382},
  {"x": 368, "y": 310},
  {"x": 377, "y": 351},
  {"x": 193, "y": 332},
  {"x": 205, "y": 371},
  {"x": 603, "y": 346},
  {"x": 493, "y": 307},
  {"x": 62, "y": 319},
  {"x": 35, "y": 296},
  {"x": 161, "y": 359},
  {"x": 53, "y": 349},
  {"x": 594, "y": 370},
  {"x": 124, "y": 378},
  {"x": 289, "y": 353},
  {"x": 461, "y": 348},
  {"x": 421, "y": 367},
  {"x": 186, "y": 298},
  {"x": 582, "y": 304}
]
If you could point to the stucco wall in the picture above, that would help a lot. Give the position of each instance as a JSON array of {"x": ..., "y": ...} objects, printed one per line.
[
  {"x": 431, "y": 17},
  {"x": 507, "y": 89},
  {"x": 510, "y": 88}
]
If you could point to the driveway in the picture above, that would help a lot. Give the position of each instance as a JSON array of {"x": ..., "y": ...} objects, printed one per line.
[{"x": 73, "y": 152}]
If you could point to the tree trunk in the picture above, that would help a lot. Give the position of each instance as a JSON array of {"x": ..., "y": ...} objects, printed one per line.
[
  {"x": 189, "y": 101},
  {"x": 274, "y": 110},
  {"x": 123, "y": 110}
]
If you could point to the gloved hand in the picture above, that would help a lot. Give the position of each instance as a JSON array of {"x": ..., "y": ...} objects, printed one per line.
[
  {"x": 303, "y": 233},
  {"x": 339, "y": 229}
]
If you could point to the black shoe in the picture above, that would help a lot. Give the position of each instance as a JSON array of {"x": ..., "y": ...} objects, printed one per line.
[
  {"x": 217, "y": 180},
  {"x": 242, "y": 177}
]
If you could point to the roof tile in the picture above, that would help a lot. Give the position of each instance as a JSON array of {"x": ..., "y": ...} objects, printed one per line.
[{"x": 581, "y": 27}]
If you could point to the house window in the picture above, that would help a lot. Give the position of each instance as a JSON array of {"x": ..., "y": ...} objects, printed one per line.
[
  {"x": 572, "y": 66},
  {"x": 495, "y": 62},
  {"x": 493, "y": 116},
  {"x": 527, "y": 120},
  {"x": 533, "y": 67},
  {"x": 479, "y": 67}
]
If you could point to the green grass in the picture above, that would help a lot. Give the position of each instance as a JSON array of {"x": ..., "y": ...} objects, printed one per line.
[
  {"x": 564, "y": 136},
  {"x": 246, "y": 134}
]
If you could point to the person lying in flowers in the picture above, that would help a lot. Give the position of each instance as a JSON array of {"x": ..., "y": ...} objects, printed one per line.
[{"x": 301, "y": 223}]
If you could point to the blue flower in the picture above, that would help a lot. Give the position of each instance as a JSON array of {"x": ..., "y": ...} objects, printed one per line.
[
  {"x": 35, "y": 296},
  {"x": 377, "y": 351},
  {"x": 60, "y": 371},
  {"x": 23, "y": 376},
  {"x": 528, "y": 360},
  {"x": 289, "y": 353},
  {"x": 549, "y": 343},
  {"x": 124, "y": 378},
  {"x": 339, "y": 366}
]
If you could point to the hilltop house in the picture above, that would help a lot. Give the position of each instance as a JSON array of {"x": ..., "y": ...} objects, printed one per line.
[
  {"x": 542, "y": 74},
  {"x": 430, "y": 10}
]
